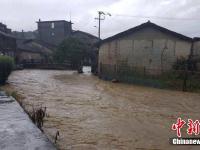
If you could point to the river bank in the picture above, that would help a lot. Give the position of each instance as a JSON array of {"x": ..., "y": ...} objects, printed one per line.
[{"x": 17, "y": 131}]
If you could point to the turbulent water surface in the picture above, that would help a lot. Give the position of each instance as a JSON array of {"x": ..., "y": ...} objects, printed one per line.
[{"x": 93, "y": 114}]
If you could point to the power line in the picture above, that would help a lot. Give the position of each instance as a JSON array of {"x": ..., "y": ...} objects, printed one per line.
[
  {"x": 155, "y": 17},
  {"x": 100, "y": 15}
]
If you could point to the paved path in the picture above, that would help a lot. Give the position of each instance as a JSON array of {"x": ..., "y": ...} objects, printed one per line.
[{"x": 17, "y": 132}]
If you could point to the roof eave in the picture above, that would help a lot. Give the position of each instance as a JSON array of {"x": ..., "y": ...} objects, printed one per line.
[{"x": 148, "y": 24}]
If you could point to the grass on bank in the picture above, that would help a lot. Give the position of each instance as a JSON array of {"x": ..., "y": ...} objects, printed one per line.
[{"x": 6, "y": 67}]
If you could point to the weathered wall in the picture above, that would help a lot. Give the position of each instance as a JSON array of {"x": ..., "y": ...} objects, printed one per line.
[
  {"x": 54, "y": 32},
  {"x": 196, "y": 53},
  {"x": 148, "y": 48},
  {"x": 196, "y": 48},
  {"x": 7, "y": 45},
  {"x": 25, "y": 56}
]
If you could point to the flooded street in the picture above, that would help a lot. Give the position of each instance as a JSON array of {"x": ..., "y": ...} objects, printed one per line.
[{"x": 93, "y": 114}]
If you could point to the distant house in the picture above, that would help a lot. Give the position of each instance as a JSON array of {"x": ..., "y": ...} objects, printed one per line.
[
  {"x": 4, "y": 28},
  {"x": 30, "y": 51},
  {"x": 49, "y": 35},
  {"x": 7, "y": 41},
  {"x": 25, "y": 35},
  {"x": 85, "y": 37},
  {"x": 196, "y": 51},
  {"x": 54, "y": 32},
  {"x": 147, "y": 47},
  {"x": 90, "y": 41},
  {"x": 196, "y": 47}
]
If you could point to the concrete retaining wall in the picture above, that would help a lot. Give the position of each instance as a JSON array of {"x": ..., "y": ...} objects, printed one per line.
[{"x": 17, "y": 132}]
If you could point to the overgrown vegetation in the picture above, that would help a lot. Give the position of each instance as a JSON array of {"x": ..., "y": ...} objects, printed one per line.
[
  {"x": 70, "y": 51},
  {"x": 6, "y": 67},
  {"x": 37, "y": 116},
  {"x": 36, "y": 113}
]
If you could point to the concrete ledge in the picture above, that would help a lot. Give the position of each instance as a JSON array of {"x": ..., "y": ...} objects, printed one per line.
[{"x": 17, "y": 132}]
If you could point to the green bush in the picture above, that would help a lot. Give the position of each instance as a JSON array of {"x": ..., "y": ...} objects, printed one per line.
[
  {"x": 6, "y": 66},
  {"x": 71, "y": 50}
]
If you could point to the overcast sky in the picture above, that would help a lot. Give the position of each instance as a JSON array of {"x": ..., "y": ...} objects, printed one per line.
[{"x": 23, "y": 14}]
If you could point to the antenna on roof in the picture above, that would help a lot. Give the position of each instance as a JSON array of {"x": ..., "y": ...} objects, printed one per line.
[{"x": 70, "y": 16}]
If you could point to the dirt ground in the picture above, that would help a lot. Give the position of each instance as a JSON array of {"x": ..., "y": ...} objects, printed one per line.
[{"x": 93, "y": 114}]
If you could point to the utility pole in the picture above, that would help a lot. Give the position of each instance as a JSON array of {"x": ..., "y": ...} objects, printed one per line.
[{"x": 100, "y": 14}]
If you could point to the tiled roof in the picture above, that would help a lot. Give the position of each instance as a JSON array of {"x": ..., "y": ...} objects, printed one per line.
[{"x": 145, "y": 25}]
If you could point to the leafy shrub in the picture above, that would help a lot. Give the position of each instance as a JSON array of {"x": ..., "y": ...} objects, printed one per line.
[
  {"x": 71, "y": 50},
  {"x": 6, "y": 66}
]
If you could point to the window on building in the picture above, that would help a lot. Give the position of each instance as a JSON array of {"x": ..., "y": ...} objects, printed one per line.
[{"x": 52, "y": 25}]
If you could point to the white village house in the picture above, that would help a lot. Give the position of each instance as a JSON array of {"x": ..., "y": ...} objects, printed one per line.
[{"x": 146, "y": 47}]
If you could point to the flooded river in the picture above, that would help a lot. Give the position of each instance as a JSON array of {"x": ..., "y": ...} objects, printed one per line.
[{"x": 93, "y": 114}]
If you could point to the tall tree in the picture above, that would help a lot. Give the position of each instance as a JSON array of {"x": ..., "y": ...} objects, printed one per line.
[{"x": 70, "y": 50}]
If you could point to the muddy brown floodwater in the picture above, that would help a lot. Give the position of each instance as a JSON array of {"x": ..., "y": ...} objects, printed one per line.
[{"x": 93, "y": 114}]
